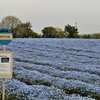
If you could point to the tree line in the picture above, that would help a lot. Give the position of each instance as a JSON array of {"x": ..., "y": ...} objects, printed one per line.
[{"x": 23, "y": 30}]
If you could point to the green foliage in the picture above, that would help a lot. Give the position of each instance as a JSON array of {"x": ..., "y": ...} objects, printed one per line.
[
  {"x": 76, "y": 36},
  {"x": 71, "y": 30},
  {"x": 86, "y": 36},
  {"x": 24, "y": 31},
  {"x": 49, "y": 32},
  {"x": 18, "y": 29},
  {"x": 82, "y": 90},
  {"x": 96, "y": 36},
  {"x": 60, "y": 33}
]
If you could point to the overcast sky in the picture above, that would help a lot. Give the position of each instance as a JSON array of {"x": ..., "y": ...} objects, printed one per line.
[{"x": 56, "y": 13}]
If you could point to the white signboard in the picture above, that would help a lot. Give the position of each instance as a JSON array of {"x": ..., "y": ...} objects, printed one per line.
[{"x": 6, "y": 65}]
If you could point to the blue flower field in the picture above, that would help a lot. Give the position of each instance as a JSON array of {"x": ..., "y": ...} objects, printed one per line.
[{"x": 54, "y": 69}]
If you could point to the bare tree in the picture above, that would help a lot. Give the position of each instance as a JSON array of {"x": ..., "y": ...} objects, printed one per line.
[{"x": 10, "y": 22}]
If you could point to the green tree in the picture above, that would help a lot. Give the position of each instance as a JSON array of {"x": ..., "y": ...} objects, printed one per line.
[
  {"x": 49, "y": 32},
  {"x": 24, "y": 31},
  {"x": 71, "y": 30},
  {"x": 10, "y": 22},
  {"x": 86, "y": 36},
  {"x": 60, "y": 33}
]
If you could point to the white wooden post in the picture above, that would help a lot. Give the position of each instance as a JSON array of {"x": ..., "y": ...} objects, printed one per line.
[{"x": 3, "y": 80}]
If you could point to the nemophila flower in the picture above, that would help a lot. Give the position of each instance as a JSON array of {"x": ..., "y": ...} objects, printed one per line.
[{"x": 54, "y": 69}]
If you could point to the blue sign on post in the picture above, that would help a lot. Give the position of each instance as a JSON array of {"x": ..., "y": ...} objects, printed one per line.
[{"x": 5, "y": 36}]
